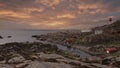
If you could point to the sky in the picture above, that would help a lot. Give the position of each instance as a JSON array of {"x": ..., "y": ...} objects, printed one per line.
[{"x": 57, "y": 14}]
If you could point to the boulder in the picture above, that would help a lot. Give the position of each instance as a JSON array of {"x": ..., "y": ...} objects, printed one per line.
[
  {"x": 118, "y": 59},
  {"x": 17, "y": 59},
  {"x": 1, "y": 37},
  {"x": 50, "y": 56},
  {"x": 69, "y": 61},
  {"x": 5, "y": 66},
  {"x": 22, "y": 65},
  {"x": 37, "y": 64}
]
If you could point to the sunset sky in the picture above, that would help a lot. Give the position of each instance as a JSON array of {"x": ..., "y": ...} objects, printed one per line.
[{"x": 57, "y": 14}]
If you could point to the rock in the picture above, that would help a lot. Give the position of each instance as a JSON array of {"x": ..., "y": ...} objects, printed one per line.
[
  {"x": 1, "y": 37},
  {"x": 34, "y": 57},
  {"x": 1, "y": 58},
  {"x": 42, "y": 39},
  {"x": 116, "y": 64},
  {"x": 83, "y": 66},
  {"x": 9, "y": 36},
  {"x": 2, "y": 62},
  {"x": 17, "y": 59},
  {"x": 69, "y": 61},
  {"x": 22, "y": 65},
  {"x": 118, "y": 59},
  {"x": 5, "y": 66},
  {"x": 50, "y": 60},
  {"x": 94, "y": 59},
  {"x": 37, "y": 64},
  {"x": 102, "y": 66},
  {"x": 50, "y": 56}
]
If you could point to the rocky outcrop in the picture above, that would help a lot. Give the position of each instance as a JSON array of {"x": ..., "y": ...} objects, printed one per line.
[
  {"x": 6, "y": 66},
  {"x": 50, "y": 56},
  {"x": 115, "y": 25},
  {"x": 37, "y": 64},
  {"x": 16, "y": 60},
  {"x": 97, "y": 39},
  {"x": 110, "y": 34},
  {"x": 38, "y": 55},
  {"x": 1, "y": 37}
]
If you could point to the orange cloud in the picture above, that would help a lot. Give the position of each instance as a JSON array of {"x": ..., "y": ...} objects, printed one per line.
[
  {"x": 88, "y": 6},
  {"x": 56, "y": 23},
  {"x": 29, "y": 10},
  {"x": 49, "y": 24},
  {"x": 2, "y": 5},
  {"x": 49, "y": 3},
  {"x": 67, "y": 15},
  {"x": 9, "y": 13},
  {"x": 91, "y": 8}
]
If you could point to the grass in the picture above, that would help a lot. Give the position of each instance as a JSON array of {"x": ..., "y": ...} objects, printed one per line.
[
  {"x": 65, "y": 54},
  {"x": 113, "y": 54}
]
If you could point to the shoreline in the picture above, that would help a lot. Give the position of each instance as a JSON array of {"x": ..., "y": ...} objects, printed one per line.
[{"x": 80, "y": 47}]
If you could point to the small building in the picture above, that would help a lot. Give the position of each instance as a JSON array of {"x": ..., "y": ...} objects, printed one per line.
[
  {"x": 68, "y": 40},
  {"x": 98, "y": 31},
  {"x": 110, "y": 49}
]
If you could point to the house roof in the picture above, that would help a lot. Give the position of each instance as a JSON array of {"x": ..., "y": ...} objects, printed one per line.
[{"x": 111, "y": 49}]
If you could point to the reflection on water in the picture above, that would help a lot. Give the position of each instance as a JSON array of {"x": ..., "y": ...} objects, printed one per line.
[{"x": 20, "y": 35}]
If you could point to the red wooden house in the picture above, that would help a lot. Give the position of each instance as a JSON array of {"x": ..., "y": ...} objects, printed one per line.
[{"x": 111, "y": 49}]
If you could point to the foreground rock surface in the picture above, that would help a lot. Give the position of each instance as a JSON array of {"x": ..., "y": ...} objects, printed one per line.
[
  {"x": 38, "y": 55},
  {"x": 36, "y": 64}
]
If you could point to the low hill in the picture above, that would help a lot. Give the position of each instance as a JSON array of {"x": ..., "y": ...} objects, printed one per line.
[
  {"x": 110, "y": 35},
  {"x": 115, "y": 25}
]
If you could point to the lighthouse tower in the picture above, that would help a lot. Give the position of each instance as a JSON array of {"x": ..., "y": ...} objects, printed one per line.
[{"x": 110, "y": 20}]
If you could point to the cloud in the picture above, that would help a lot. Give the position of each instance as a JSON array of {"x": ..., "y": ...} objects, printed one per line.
[
  {"x": 9, "y": 13},
  {"x": 49, "y": 24},
  {"x": 30, "y": 10},
  {"x": 57, "y": 14},
  {"x": 1, "y": 5},
  {"x": 66, "y": 15},
  {"x": 49, "y": 3},
  {"x": 91, "y": 8},
  {"x": 98, "y": 7}
]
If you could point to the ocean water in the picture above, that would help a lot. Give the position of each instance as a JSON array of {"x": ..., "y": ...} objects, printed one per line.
[{"x": 21, "y": 35}]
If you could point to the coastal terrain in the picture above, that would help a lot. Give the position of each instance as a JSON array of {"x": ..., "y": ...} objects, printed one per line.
[{"x": 65, "y": 49}]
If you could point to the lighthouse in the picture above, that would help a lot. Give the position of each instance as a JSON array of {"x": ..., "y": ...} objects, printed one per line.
[{"x": 110, "y": 20}]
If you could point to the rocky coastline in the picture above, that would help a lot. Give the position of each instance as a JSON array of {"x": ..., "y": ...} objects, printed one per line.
[{"x": 39, "y": 55}]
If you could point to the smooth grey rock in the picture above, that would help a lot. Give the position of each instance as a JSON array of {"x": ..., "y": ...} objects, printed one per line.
[
  {"x": 36, "y": 64},
  {"x": 5, "y": 66},
  {"x": 50, "y": 56},
  {"x": 17, "y": 59}
]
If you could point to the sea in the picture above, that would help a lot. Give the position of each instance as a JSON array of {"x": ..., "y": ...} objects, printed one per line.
[{"x": 21, "y": 35}]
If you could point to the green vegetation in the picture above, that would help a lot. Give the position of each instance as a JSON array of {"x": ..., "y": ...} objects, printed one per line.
[
  {"x": 65, "y": 54},
  {"x": 113, "y": 54},
  {"x": 110, "y": 35}
]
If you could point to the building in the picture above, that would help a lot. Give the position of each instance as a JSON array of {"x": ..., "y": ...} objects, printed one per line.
[
  {"x": 98, "y": 31},
  {"x": 110, "y": 49}
]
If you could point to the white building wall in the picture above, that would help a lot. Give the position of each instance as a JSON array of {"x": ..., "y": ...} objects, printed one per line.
[{"x": 98, "y": 31}]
